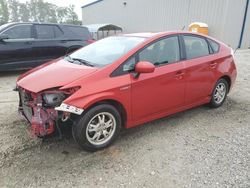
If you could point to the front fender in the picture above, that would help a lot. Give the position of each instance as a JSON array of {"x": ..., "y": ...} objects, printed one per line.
[{"x": 87, "y": 101}]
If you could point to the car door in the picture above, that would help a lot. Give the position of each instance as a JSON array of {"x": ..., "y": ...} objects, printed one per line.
[
  {"x": 48, "y": 43},
  {"x": 199, "y": 68},
  {"x": 16, "y": 51},
  {"x": 164, "y": 89}
]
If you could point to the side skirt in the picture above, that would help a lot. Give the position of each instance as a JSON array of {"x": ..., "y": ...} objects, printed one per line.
[{"x": 167, "y": 113}]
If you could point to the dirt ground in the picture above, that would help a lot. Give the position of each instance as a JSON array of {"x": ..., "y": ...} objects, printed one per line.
[{"x": 197, "y": 148}]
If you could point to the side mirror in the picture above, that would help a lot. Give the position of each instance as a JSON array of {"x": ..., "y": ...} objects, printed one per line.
[
  {"x": 144, "y": 67},
  {"x": 3, "y": 37}
]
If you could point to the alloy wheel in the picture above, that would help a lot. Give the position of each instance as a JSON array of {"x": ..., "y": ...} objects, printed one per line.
[
  {"x": 220, "y": 93},
  {"x": 101, "y": 128}
]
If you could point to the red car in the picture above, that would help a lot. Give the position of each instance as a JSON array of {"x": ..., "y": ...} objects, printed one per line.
[{"x": 125, "y": 81}]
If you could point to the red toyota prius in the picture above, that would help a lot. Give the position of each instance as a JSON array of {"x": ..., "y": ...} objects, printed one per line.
[{"x": 125, "y": 81}]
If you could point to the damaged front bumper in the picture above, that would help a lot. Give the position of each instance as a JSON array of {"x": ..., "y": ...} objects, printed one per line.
[{"x": 43, "y": 118}]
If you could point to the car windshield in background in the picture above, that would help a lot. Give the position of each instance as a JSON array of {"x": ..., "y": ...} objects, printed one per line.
[
  {"x": 106, "y": 51},
  {"x": 4, "y": 26}
]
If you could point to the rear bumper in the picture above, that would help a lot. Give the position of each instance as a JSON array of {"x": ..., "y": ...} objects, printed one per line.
[{"x": 233, "y": 76}]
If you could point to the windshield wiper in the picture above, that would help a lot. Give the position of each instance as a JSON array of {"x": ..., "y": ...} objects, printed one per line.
[
  {"x": 69, "y": 59},
  {"x": 80, "y": 61},
  {"x": 84, "y": 62}
]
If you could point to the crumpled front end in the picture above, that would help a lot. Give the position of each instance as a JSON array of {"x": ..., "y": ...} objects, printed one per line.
[
  {"x": 41, "y": 118},
  {"x": 44, "y": 110}
]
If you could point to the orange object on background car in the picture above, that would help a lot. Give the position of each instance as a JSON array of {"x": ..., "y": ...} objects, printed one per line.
[{"x": 198, "y": 27}]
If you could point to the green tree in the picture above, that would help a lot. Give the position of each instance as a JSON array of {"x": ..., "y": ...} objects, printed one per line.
[
  {"x": 52, "y": 15},
  {"x": 36, "y": 11},
  {"x": 24, "y": 12},
  {"x": 4, "y": 12},
  {"x": 13, "y": 7},
  {"x": 33, "y": 10},
  {"x": 43, "y": 11},
  {"x": 61, "y": 13},
  {"x": 71, "y": 17}
]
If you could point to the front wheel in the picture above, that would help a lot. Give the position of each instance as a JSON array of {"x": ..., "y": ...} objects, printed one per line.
[
  {"x": 97, "y": 128},
  {"x": 219, "y": 94}
]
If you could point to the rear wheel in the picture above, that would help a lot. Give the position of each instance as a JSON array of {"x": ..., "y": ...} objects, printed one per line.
[
  {"x": 219, "y": 94},
  {"x": 97, "y": 128}
]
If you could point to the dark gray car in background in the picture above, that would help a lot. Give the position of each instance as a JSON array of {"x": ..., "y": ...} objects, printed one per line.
[{"x": 27, "y": 45}]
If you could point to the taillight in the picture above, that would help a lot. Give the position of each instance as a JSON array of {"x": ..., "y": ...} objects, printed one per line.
[
  {"x": 90, "y": 41},
  {"x": 233, "y": 53}
]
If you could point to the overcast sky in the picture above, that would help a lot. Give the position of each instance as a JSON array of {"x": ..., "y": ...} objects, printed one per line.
[{"x": 78, "y": 4}]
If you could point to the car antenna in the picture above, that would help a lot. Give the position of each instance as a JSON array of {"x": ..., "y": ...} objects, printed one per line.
[{"x": 183, "y": 28}]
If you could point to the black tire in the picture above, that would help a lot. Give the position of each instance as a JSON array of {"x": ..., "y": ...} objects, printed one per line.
[
  {"x": 213, "y": 103},
  {"x": 79, "y": 129}
]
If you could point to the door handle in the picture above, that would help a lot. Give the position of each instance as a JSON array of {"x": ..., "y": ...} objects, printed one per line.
[
  {"x": 179, "y": 75},
  {"x": 213, "y": 64}
]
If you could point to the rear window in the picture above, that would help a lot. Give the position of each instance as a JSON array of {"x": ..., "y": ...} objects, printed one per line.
[
  {"x": 82, "y": 32},
  {"x": 215, "y": 46}
]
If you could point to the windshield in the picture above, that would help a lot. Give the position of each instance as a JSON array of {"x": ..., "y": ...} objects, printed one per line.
[
  {"x": 4, "y": 26},
  {"x": 106, "y": 51}
]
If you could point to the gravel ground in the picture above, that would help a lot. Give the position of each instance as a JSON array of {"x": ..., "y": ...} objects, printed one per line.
[{"x": 197, "y": 148}]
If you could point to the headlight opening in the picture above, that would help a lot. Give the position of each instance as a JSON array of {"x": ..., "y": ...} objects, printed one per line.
[{"x": 53, "y": 99}]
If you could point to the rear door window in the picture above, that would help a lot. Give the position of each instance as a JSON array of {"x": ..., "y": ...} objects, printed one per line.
[
  {"x": 195, "y": 47},
  {"x": 58, "y": 32},
  {"x": 45, "y": 32},
  {"x": 48, "y": 31},
  {"x": 19, "y": 32}
]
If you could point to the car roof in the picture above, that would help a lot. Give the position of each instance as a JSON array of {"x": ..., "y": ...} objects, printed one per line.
[
  {"x": 144, "y": 35},
  {"x": 41, "y": 23},
  {"x": 160, "y": 34}
]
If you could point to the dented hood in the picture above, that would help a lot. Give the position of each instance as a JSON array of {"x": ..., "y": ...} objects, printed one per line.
[{"x": 56, "y": 74}]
